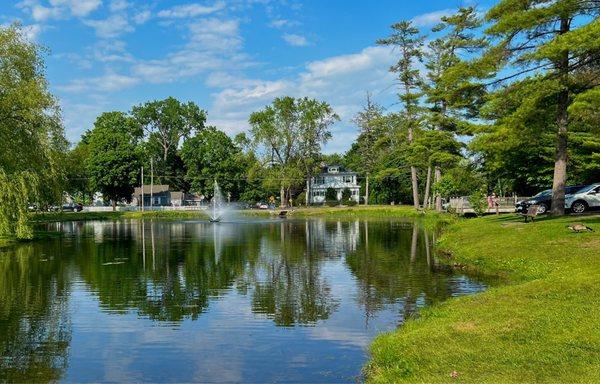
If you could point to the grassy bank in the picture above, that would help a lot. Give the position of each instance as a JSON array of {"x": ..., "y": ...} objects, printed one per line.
[
  {"x": 362, "y": 211},
  {"x": 541, "y": 325},
  {"x": 73, "y": 216}
]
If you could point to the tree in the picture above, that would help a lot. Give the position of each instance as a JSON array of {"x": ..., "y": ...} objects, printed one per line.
[
  {"x": 78, "y": 183},
  {"x": 31, "y": 133},
  {"x": 113, "y": 164},
  {"x": 448, "y": 112},
  {"x": 292, "y": 131},
  {"x": 406, "y": 38},
  {"x": 165, "y": 123},
  {"x": 211, "y": 155},
  {"x": 552, "y": 39}
]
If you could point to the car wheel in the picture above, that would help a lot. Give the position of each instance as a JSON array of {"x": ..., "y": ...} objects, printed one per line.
[
  {"x": 579, "y": 207},
  {"x": 542, "y": 208}
]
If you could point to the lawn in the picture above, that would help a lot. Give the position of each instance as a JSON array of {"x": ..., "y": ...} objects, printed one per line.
[
  {"x": 71, "y": 216},
  {"x": 540, "y": 324}
]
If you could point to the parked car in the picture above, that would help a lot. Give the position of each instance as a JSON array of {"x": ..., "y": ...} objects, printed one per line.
[
  {"x": 72, "y": 207},
  {"x": 584, "y": 199},
  {"x": 543, "y": 200}
]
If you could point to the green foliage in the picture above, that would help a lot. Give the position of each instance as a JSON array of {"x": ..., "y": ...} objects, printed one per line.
[
  {"x": 291, "y": 132},
  {"x": 32, "y": 142},
  {"x": 331, "y": 197},
  {"x": 346, "y": 195},
  {"x": 478, "y": 202},
  {"x": 165, "y": 123},
  {"x": 211, "y": 155},
  {"x": 113, "y": 164}
]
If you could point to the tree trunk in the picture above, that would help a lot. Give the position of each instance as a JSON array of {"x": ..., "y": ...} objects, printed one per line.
[
  {"x": 560, "y": 164},
  {"x": 114, "y": 205},
  {"x": 438, "y": 198},
  {"x": 427, "y": 188},
  {"x": 415, "y": 187},
  {"x": 413, "y": 175}
]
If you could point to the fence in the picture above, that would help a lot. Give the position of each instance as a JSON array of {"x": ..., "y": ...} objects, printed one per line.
[
  {"x": 133, "y": 208},
  {"x": 505, "y": 204}
]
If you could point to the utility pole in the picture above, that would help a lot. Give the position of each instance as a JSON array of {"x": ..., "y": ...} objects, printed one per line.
[
  {"x": 142, "y": 189},
  {"x": 151, "y": 182},
  {"x": 367, "y": 190}
]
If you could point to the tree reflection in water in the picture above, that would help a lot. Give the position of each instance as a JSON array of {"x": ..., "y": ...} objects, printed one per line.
[
  {"x": 287, "y": 272},
  {"x": 34, "y": 324}
]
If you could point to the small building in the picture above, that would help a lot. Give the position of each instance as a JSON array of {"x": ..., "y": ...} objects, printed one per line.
[
  {"x": 163, "y": 196},
  {"x": 337, "y": 177}
]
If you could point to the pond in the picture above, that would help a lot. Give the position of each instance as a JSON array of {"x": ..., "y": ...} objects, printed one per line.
[{"x": 177, "y": 301}]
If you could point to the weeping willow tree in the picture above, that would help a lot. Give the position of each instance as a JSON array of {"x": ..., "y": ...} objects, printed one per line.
[{"x": 31, "y": 135}]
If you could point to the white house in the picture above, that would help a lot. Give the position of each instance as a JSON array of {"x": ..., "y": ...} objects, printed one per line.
[{"x": 333, "y": 176}]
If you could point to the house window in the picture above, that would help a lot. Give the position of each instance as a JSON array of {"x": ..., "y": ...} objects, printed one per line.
[
  {"x": 348, "y": 179},
  {"x": 354, "y": 193},
  {"x": 157, "y": 200}
]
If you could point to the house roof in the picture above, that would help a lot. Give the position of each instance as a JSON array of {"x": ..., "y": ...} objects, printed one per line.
[
  {"x": 157, "y": 188},
  {"x": 341, "y": 170}
]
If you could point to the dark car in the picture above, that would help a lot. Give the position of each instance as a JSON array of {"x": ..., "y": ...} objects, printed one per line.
[
  {"x": 72, "y": 207},
  {"x": 543, "y": 200}
]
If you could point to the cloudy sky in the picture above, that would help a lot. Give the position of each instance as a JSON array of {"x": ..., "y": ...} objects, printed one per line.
[{"x": 231, "y": 57}]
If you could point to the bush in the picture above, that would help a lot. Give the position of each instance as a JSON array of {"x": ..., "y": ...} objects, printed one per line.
[
  {"x": 478, "y": 202},
  {"x": 300, "y": 199},
  {"x": 331, "y": 194},
  {"x": 351, "y": 203},
  {"x": 346, "y": 195},
  {"x": 331, "y": 203}
]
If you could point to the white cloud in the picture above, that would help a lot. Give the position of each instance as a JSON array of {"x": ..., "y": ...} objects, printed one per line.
[
  {"x": 110, "y": 27},
  {"x": 431, "y": 18},
  {"x": 41, "y": 13},
  {"x": 32, "y": 31},
  {"x": 110, "y": 82},
  {"x": 295, "y": 40},
  {"x": 118, "y": 5},
  {"x": 142, "y": 16},
  {"x": 342, "y": 81},
  {"x": 280, "y": 23},
  {"x": 59, "y": 9},
  {"x": 191, "y": 10}
]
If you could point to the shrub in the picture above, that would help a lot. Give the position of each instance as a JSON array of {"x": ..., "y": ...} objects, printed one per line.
[
  {"x": 478, "y": 202},
  {"x": 351, "y": 203},
  {"x": 331, "y": 195}
]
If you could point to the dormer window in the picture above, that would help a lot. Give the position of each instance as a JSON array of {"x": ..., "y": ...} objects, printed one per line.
[{"x": 333, "y": 170}]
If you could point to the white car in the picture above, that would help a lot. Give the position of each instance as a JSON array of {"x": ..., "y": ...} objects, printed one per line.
[{"x": 584, "y": 199}]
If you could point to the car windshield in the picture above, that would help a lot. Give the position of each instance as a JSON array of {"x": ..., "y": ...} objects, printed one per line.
[
  {"x": 543, "y": 193},
  {"x": 572, "y": 190}
]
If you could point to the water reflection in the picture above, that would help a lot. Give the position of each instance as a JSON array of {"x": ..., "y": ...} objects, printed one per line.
[{"x": 333, "y": 284}]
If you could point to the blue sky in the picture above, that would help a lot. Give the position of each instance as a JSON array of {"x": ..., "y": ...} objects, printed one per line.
[{"x": 230, "y": 57}]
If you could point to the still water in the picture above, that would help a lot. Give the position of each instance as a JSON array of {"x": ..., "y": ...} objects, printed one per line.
[{"x": 163, "y": 301}]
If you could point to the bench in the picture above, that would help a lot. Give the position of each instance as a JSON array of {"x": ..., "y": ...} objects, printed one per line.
[{"x": 532, "y": 212}]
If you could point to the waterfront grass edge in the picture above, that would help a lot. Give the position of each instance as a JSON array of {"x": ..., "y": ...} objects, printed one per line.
[{"x": 539, "y": 324}]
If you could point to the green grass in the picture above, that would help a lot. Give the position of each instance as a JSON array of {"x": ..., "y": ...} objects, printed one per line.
[
  {"x": 539, "y": 325},
  {"x": 74, "y": 216}
]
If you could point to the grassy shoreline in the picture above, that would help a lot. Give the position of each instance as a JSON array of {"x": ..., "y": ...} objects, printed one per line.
[
  {"x": 539, "y": 325},
  {"x": 76, "y": 216}
]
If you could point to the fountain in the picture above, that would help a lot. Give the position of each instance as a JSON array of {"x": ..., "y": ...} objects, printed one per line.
[{"x": 218, "y": 207}]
